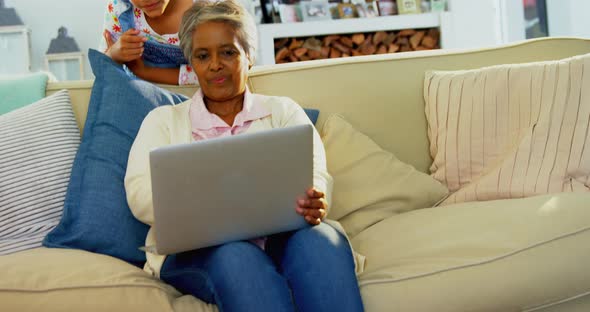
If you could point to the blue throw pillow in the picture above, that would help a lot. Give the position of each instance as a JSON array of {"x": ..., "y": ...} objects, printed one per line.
[
  {"x": 96, "y": 216},
  {"x": 312, "y": 114}
]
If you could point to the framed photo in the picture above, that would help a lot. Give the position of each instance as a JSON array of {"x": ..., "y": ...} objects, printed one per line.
[
  {"x": 315, "y": 10},
  {"x": 346, "y": 10},
  {"x": 387, "y": 7},
  {"x": 372, "y": 9},
  {"x": 289, "y": 13},
  {"x": 409, "y": 6},
  {"x": 535, "y": 15},
  {"x": 334, "y": 10},
  {"x": 367, "y": 10},
  {"x": 438, "y": 5}
]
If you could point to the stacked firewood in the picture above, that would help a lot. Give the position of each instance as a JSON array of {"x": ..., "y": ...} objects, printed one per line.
[{"x": 332, "y": 46}]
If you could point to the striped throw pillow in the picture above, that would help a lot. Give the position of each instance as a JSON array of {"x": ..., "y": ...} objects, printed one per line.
[
  {"x": 510, "y": 131},
  {"x": 37, "y": 147}
]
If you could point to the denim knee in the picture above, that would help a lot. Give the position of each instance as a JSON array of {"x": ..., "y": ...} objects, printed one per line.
[{"x": 319, "y": 237}]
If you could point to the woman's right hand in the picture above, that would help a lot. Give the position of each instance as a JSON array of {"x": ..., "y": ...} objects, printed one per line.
[
  {"x": 129, "y": 47},
  {"x": 312, "y": 207}
]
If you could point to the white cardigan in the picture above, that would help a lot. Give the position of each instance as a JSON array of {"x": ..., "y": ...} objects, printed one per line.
[{"x": 171, "y": 125}]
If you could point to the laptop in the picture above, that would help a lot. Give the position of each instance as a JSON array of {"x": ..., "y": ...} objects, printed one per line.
[{"x": 227, "y": 189}]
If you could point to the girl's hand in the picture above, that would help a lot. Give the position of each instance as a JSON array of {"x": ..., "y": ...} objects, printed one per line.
[
  {"x": 129, "y": 47},
  {"x": 137, "y": 66},
  {"x": 312, "y": 207}
]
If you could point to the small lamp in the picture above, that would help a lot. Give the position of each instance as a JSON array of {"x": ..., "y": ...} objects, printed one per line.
[
  {"x": 63, "y": 58},
  {"x": 15, "y": 42}
]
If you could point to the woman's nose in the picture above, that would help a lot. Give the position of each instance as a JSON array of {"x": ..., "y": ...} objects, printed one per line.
[{"x": 215, "y": 64}]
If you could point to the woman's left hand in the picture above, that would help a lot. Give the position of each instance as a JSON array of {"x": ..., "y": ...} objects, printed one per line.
[{"x": 312, "y": 207}]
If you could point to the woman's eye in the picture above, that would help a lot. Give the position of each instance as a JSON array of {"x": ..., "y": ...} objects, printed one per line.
[
  {"x": 229, "y": 52},
  {"x": 201, "y": 57}
]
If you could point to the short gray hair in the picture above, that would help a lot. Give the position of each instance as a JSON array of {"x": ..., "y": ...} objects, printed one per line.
[{"x": 226, "y": 11}]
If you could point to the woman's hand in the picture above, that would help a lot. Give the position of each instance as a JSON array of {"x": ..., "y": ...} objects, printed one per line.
[
  {"x": 312, "y": 207},
  {"x": 129, "y": 47}
]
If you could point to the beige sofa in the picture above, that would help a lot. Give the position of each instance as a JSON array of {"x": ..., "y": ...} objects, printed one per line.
[{"x": 484, "y": 256}]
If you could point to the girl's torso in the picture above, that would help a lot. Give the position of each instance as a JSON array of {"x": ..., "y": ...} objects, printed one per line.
[{"x": 160, "y": 50}]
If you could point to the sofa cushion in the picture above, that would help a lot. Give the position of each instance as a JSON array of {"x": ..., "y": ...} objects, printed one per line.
[
  {"x": 38, "y": 143},
  {"x": 510, "y": 131},
  {"x": 18, "y": 91},
  {"x": 96, "y": 215},
  {"x": 371, "y": 184},
  {"x": 51, "y": 279},
  {"x": 504, "y": 255}
]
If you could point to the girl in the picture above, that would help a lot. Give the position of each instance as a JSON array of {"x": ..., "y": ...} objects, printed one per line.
[{"x": 143, "y": 34}]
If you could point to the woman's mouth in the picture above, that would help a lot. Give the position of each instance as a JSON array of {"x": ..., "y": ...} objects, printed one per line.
[{"x": 219, "y": 80}]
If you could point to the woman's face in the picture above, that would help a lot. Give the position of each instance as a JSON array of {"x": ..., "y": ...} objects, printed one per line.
[
  {"x": 151, "y": 8},
  {"x": 220, "y": 62}
]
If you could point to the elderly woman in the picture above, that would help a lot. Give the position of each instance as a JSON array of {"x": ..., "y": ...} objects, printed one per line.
[{"x": 311, "y": 269}]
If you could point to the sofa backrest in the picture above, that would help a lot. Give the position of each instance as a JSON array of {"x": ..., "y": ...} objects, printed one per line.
[{"x": 381, "y": 95}]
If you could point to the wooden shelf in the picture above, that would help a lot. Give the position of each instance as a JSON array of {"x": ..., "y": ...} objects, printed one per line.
[{"x": 267, "y": 33}]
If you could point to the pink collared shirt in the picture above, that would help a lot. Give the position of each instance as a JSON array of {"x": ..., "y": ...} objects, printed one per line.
[{"x": 206, "y": 125}]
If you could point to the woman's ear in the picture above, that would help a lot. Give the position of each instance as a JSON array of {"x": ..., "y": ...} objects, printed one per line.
[{"x": 250, "y": 61}]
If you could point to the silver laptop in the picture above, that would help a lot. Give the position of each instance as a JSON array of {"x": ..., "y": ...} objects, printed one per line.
[{"x": 219, "y": 190}]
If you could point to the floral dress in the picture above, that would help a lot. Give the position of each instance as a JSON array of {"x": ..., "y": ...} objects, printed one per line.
[{"x": 159, "y": 50}]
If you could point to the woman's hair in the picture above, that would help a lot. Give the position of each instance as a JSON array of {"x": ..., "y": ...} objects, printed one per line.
[{"x": 225, "y": 11}]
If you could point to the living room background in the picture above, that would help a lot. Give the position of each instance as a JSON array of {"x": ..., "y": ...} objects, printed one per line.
[{"x": 470, "y": 24}]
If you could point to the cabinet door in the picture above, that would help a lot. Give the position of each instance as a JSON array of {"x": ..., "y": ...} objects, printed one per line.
[
  {"x": 67, "y": 69},
  {"x": 14, "y": 53}
]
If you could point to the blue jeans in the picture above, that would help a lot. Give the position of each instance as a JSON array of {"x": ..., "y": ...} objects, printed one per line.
[{"x": 311, "y": 269}]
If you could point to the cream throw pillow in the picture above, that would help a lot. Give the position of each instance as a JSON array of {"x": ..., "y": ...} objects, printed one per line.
[
  {"x": 371, "y": 184},
  {"x": 510, "y": 131}
]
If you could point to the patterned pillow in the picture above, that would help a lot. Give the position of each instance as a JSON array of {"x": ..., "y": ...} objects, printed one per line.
[
  {"x": 510, "y": 131},
  {"x": 37, "y": 149}
]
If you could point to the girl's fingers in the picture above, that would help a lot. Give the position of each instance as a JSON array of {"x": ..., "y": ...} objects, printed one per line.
[
  {"x": 108, "y": 39},
  {"x": 135, "y": 52},
  {"x": 133, "y": 39}
]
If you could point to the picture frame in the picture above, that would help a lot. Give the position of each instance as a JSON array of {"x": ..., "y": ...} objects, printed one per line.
[
  {"x": 367, "y": 10},
  {"x": 372, "y": 9},
  {"x": 346, "y": 10},
  {"x": 315, "y": 10},
  {"x": 409, "y": 7},
  {"x": 334, "y": 10},
  {"x": 438, "y": 5},
  {"x": 289, "y": 13},
  {"x": 387, "y": 7}
]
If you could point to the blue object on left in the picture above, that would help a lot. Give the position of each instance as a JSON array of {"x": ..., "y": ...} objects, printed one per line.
[
  {"x": 312, "y": 114},
  {"x": 96, "y": 216}
]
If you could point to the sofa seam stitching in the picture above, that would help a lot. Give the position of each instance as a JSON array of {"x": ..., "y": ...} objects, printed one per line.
[{"x": 487, "y": 261}]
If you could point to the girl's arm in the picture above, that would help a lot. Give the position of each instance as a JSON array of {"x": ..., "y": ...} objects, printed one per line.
[
  {"x": 111, "y": 23},
  {"x": 154, "y": 74},
  {"x": 173, "y": 76}
]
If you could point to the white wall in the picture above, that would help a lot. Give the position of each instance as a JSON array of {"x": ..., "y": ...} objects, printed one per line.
[
  {"x": 82, "y": 18},
  {"x": 483, "y": 23},
  {"x": 569, "y": 18},
  {"x": 471, "y": 24},
  {"x": 479, "y": 23}
]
